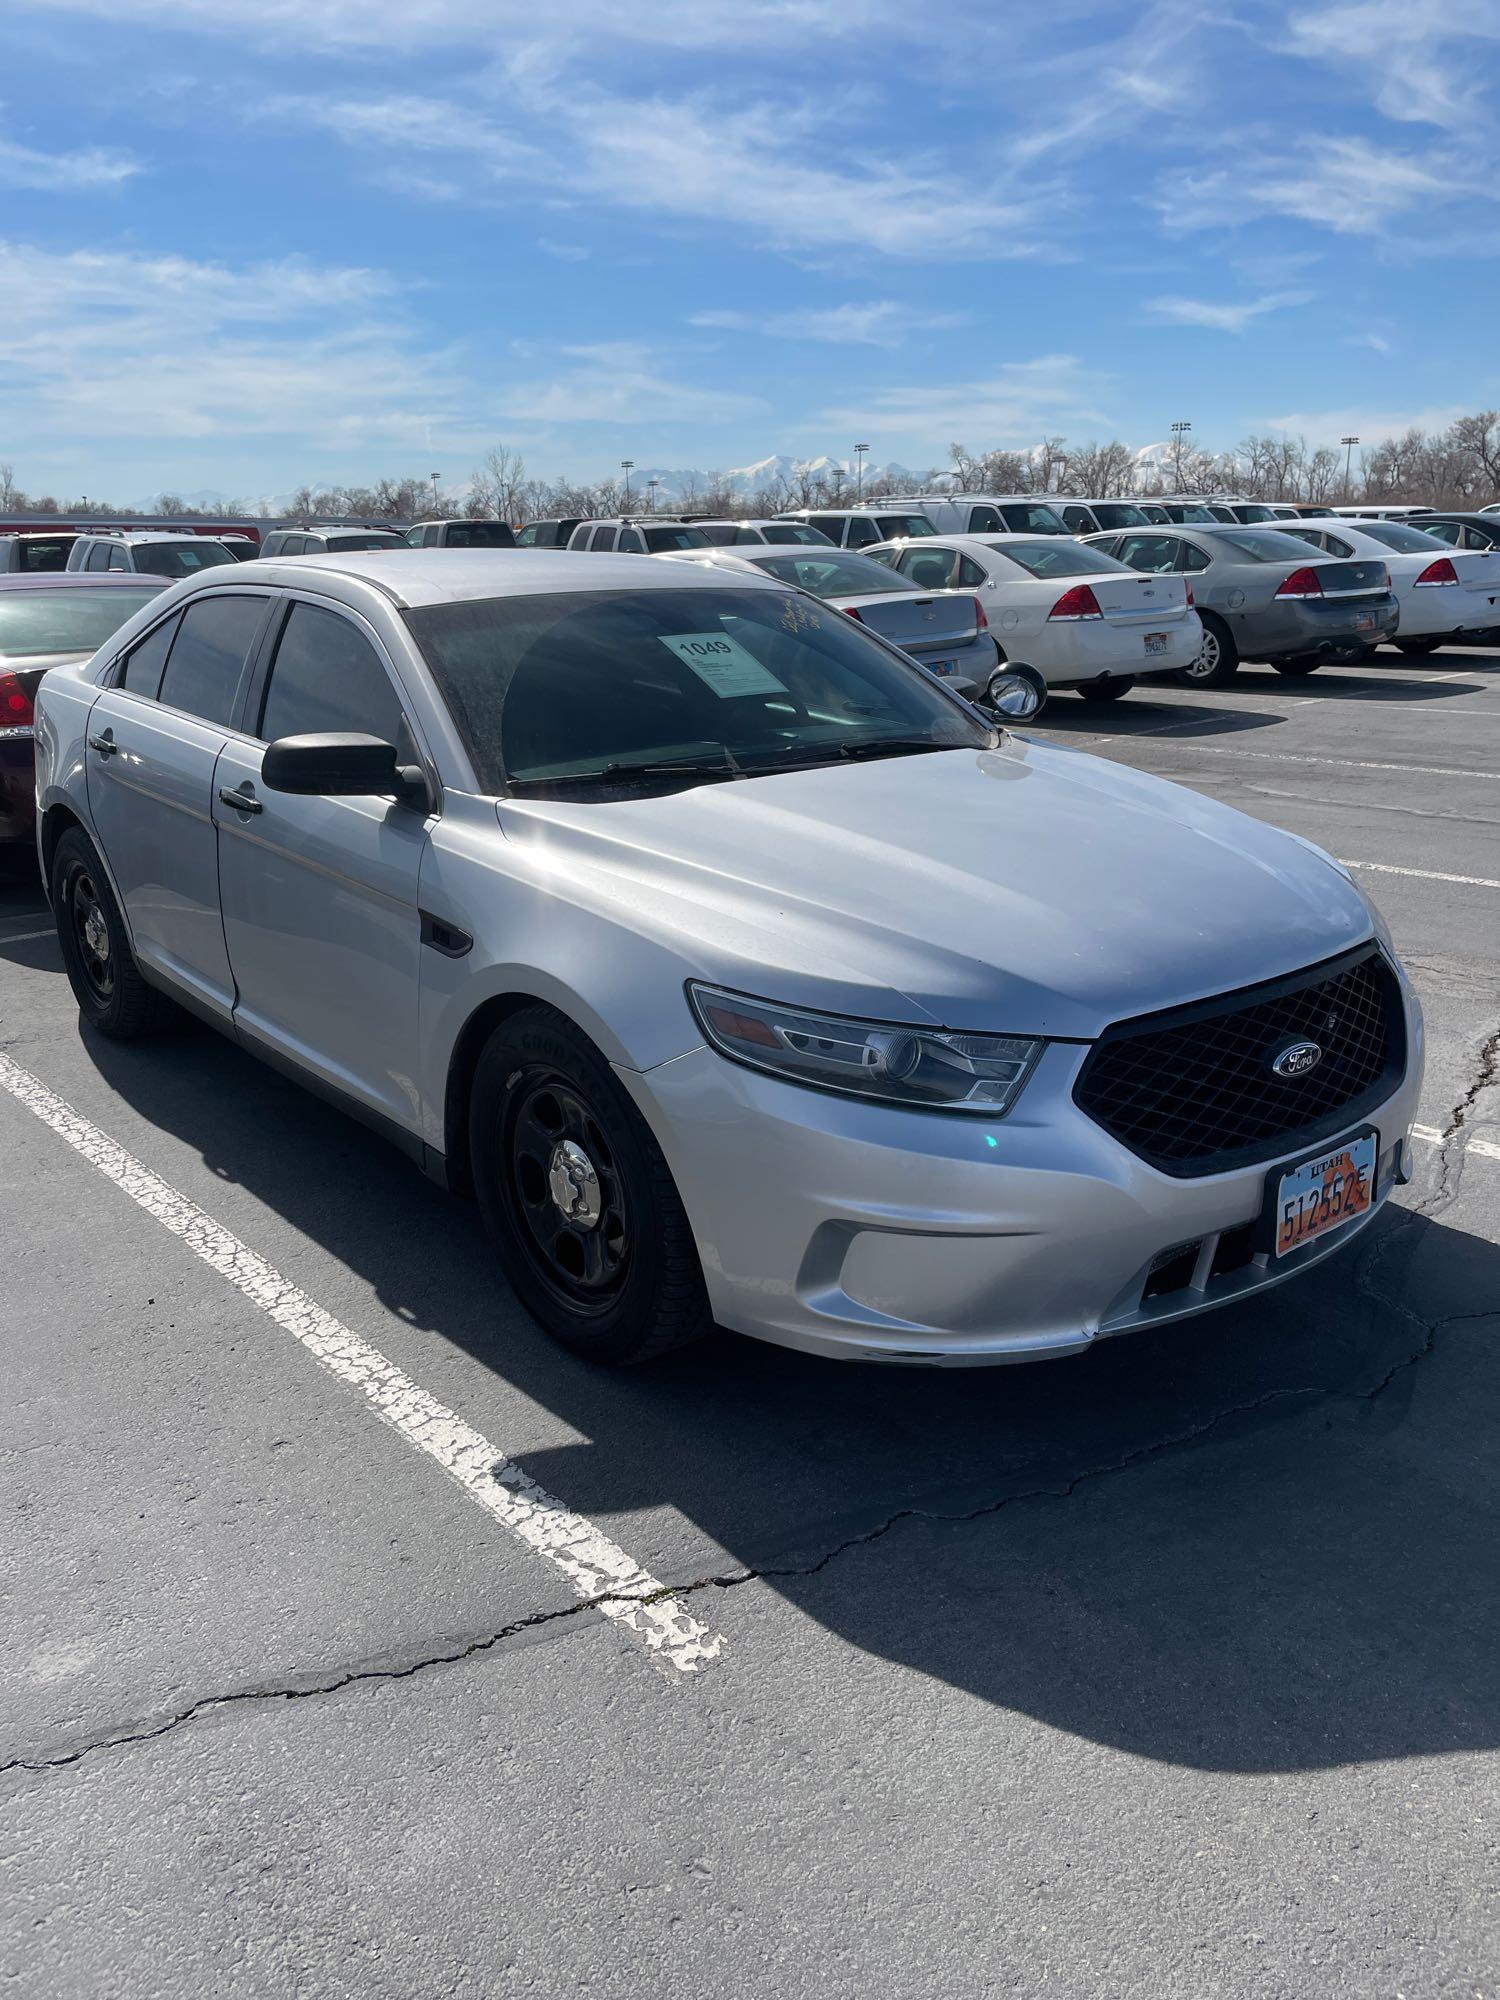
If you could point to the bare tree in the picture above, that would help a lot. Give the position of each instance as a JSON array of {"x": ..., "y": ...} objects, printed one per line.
[{"x": 497, "y": 487}]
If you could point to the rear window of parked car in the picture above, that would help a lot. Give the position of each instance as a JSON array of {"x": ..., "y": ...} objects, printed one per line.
[
  {"x": 1266, "y": 544},
  {"x": 343, "y": 543},
  {"x": 1033, "y": 520},
  {"x": 203, "y": 667},
  {"x": 894, "y": 526},
  {"x": 787, "y": 531},
  {"x": 832, "y": 574},
  {"x": 660, "y": 540},
  {"x": 65, "y": 621},
  {"x": 178, "y": 558},
  {"x": 1396, "y": 535},
  {"x": 1055, "y": 558}
]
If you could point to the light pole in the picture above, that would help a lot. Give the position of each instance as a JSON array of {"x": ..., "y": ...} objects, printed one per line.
[
  {"x": 1348, "y": 443},
  {"x": 627, "y": 466},
  {"x": 859, "y": 470},
  {"x": 1179, "y": 432},
  {"x": 651, "y": 486},
  {"x": 435, "y": 501}
]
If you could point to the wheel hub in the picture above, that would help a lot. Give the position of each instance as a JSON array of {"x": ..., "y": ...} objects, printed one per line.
[
  {"x": 96, "y": 933},
  {"x": 574, "y": 1185}
]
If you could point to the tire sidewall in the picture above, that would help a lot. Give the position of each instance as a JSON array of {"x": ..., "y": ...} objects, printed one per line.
[{"x": 74, "y": 853}]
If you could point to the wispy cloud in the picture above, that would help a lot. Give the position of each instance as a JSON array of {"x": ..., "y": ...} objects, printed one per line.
[
  {"x": 1368, "y": 423},
  {"x": 88, "y": 170},
  {"x": 617, "y": 382},
  {"x": 1008, "y": 406},
  {"x": 1421, "y": 60},
  {"x": 1349, "y": 185},
  {"x": 1221, "y": 317},
  {"x": 883, "y": 323}
]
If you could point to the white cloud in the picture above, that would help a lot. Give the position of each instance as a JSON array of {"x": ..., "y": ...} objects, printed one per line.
[
  {"x": 883, "y": 323},
  {"x": 1367, "y": 424},
  {"x": 1009, "y": 406},
  {"x": 85, "y": 171},
  {"x": 617, "y": 382},
  {"x": 1350, "y": 185},
  {"x": 1418, "y": 57},
  {"x": 1222, "y": 318}
]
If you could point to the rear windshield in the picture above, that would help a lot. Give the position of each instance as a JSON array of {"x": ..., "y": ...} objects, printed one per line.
[
  {"x": 660, "y": 540},
  {"x": 833, "y": 574},
  {"x": 1033, "y": 519},
  {"x": 178, "y": 558},
  {"x": 1396, "y": 535},
  {"x": 722, "y": 534},
  {"x": 1192, "y": 513},
  {"x": 44, "y": 552},
  {"x": 480, "y": 535},
  {"x": 795, "y": 532},
  {"x": 1265, "y": 544},
  {"x": 1110, "y": 514},
  {"x": 66, "y": 621},
  {"x": 1254, "y": 513},
  {"x": 375, "y": 539},
  {"x": 894, "y": 525},
  {"x": 592, "y": 693},
  {"x": 1055, "y": 558}
]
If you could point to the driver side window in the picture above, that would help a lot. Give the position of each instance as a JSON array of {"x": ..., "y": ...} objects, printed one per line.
[{"x": 326, "y": 676}]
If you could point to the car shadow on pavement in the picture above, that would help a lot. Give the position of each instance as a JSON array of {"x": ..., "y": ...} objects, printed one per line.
[{"x": 1264, "y": 1540}]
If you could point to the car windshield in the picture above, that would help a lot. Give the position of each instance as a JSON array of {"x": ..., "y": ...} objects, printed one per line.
[
  {"x": 660, "y": 540},
  {"x": 833, "y": 574},
  {"x": 1033, "y": 519},
  {"x": 480, "y": 535},
  {"x": 66, "y": 621},
  {"x": 795, "y": 531},
  {"x": 1265, "y": 544},
  {"x": 179, "y": 558},
  {"x": 375, "y": 539},
  {"x": 1118, "y": 515},
  {"x": 1049, "y": 559},
  {"x": 1396, "y": 535},
  {"x": 601, "y": 693},
  {"x": 893, "y": 525}
]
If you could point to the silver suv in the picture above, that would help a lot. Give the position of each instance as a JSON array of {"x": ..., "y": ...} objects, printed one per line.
[
  {"x": 148, "y": 554},
  {"x": 327, "y": 541},
  {"x": 632, "y": 535}
]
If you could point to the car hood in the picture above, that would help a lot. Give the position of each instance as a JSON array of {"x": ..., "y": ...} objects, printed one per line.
[{"x": 1028, "y": 889}]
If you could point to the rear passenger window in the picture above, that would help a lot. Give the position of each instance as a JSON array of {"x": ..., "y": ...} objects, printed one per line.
[
  {"x": 117, "y": 559},
  {"x": 327, "y": 676},
  {"x": 1191, "y": 557},
  {"x": 602, "y": 538},
  {"x": 970, "y": 575},
  {"x": 213, "y": 642},
  {"x": 99, "y": 556},
  {"x": 1077, "y": 521},
  {"x": 984, "y": 521},
  {"x": 862, "y": 533},
  {"x": 143, "y": 663},
  {"x": 631, "y": 543}
]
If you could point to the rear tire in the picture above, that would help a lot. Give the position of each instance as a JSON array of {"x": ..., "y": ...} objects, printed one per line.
[
  {"x": 578, "y": 1199},
  {"x": 112, "y": 996},
  {"x": 1218, "y": 661},
  {"x": 1417, "y": 649},
  {"x": 1111, "y": 688},
  {"x": 1296, "y": 670}
]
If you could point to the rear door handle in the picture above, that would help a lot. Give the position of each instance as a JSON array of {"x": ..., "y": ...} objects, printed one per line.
[
  {"x": 244, "y": 802},
  {"x": 105, "y": 744}
]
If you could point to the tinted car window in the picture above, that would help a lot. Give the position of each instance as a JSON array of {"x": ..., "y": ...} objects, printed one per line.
[
  {"x": 1077, "y": 520},
  {"x": 1156, "y": 554},
  {"x": 835, "y": 573},
  {"x": 1056, "y": 558},
  {"x": 179, "y": 558},
  {"x": 1445, "y": 531},
  {"x": 1118, "y": 514},
  {"x": 98, "y": 556},
  {"x": 630, "y": 543},
  {"x": 602, "y": 538},
  {"x": 117, "y": 560},
  {"x": 1264, "y": 544},
  {"x": 545, "y": 687},
  {"x": 927, "y": 569},
  {"x": 143, "y": 664},
  {"x": 345, "y": 542},
  {"x": 985, "y": 521},
  {"x": 659, "y": 540},
  {"x": 1033, "y": 519},
  {"x": 65, "y": 621},
  {"x": 480, "y": 535},
  {"x": 862, "y": 533},
  {"x": 528, "y": 536},
  {"x": 1192, "y": 557},
  {"x": 797, "y": 532},
  {"x": 48, "y": 554},
  {"x": 327, "y": 676},
  {"x": 203, "y": 670},
  {"x": 893, "y": 526},
  {"x": 970, "y": 574},
  {"x": 829, "y": 525}
]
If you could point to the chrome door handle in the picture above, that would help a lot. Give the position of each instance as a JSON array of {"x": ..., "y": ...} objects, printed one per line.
[
  {"x": 244, "y": 802},
  {"x": 105, "y": 744}
]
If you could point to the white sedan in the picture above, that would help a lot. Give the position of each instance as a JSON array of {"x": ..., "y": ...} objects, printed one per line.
[
  {"x": 1441, "y": 592},
  {"x": 1070, "y": 615}
]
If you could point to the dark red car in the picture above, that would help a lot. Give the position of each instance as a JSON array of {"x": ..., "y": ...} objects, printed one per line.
[{"x": 46, "y": 621}]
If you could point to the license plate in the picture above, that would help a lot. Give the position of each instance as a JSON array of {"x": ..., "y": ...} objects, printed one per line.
[
  {"x": 944, "y": 666},
  {"x": 1323, "y": 1192},
  {"x": 1365, "y": 621},
  {"x": 1156, "y": 642}
]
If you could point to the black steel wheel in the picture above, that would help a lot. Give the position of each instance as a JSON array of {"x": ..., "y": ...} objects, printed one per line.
[
  {"x": 112, "y": 996},
  {"x": 578, "y": 1198}
]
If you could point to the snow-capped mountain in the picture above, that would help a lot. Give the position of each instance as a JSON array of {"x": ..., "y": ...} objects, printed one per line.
[{"x": 675, "y": 483}]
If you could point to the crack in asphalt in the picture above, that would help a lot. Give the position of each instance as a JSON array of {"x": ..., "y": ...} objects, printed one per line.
[{"x": 1485, "y": 1076}]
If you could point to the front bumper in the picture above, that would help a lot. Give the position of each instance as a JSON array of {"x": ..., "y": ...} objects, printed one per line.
[{"x": 854, "y": 1229}]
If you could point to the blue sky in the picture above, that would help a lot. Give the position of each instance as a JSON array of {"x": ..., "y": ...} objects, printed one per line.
[{"x": 248, "y": 245}]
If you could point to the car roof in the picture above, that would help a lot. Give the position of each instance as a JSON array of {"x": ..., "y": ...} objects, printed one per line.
[
  {"x": 131, "y": 537},
  {"x": 81, "y": 579},
  {"x": 413, "y": 578}
]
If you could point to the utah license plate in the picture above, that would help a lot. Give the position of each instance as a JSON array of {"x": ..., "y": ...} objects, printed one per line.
[
  {"x": 1365, "y": 622},
  {"x": 944, "y": 666},
  {"x": 1319, "y": 1194},
  {"x": 1156, "y": 642}
]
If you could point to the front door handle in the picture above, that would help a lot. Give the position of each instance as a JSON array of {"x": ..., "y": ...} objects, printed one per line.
[
  {"x": 243, "y": 802},
  {"x": 105, "y": 744}
]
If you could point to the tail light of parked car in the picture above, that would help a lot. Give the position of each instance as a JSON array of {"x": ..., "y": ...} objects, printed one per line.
[
  {"x": 1302, "y": 583},
  {"x": 1191, "y": 600},
  {"x": 1441, "y": 571},
  {"x": 982, "y": 623},
  {"x": 1079, "y": 602},
  {"x": 850, "y": 612},
  {"x": 16, "y": 708}
]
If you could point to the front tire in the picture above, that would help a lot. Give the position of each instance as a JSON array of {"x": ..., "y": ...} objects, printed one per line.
[
  {"x": 578, "y": 1199},
  {"x": 112, "y": 996},
  {"x": 1111, "y": 688},
  {"x": 1296, "y": 670},
  {"x": 1218, "y": 661},
  {"x": 1417, "y": 649}
]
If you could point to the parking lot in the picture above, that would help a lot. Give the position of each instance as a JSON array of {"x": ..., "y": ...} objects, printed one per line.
[{"x": 1167, "y": 1670}]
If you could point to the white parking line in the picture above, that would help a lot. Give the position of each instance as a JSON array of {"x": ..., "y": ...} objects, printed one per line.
[
  {"x": 1485, "y": 1149},
  {"x": 1348, "y": 763},
  {"x": 593, "y": 1565},
  {"x": 26, "y": 937},
  {"x": 1420, "y": 874}
]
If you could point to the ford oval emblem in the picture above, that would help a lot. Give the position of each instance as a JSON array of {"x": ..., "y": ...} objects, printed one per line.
[{"x": 1296, "y": 1059}]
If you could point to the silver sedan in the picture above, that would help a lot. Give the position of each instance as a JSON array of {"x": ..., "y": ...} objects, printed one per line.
[{"x": 740, "y": 971}]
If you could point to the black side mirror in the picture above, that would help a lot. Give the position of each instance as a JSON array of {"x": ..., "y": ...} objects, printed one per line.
[{"x": 340, "y": 766}]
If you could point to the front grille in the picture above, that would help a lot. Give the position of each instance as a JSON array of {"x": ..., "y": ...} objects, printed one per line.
[{"x": 1192, "y": 1090}]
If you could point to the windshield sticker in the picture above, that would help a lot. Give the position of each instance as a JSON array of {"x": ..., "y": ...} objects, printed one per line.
[{"x": 723, "y": 664}]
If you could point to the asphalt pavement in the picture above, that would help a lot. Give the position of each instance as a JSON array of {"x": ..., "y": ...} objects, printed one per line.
[{"x": 1169, "y": 1670}]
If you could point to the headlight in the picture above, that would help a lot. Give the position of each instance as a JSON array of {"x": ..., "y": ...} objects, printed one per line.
[{"x": 913, "y": 1066}]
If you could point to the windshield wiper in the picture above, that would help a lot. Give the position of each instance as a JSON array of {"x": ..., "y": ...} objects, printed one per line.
[{"x": 665, "y": 767}]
